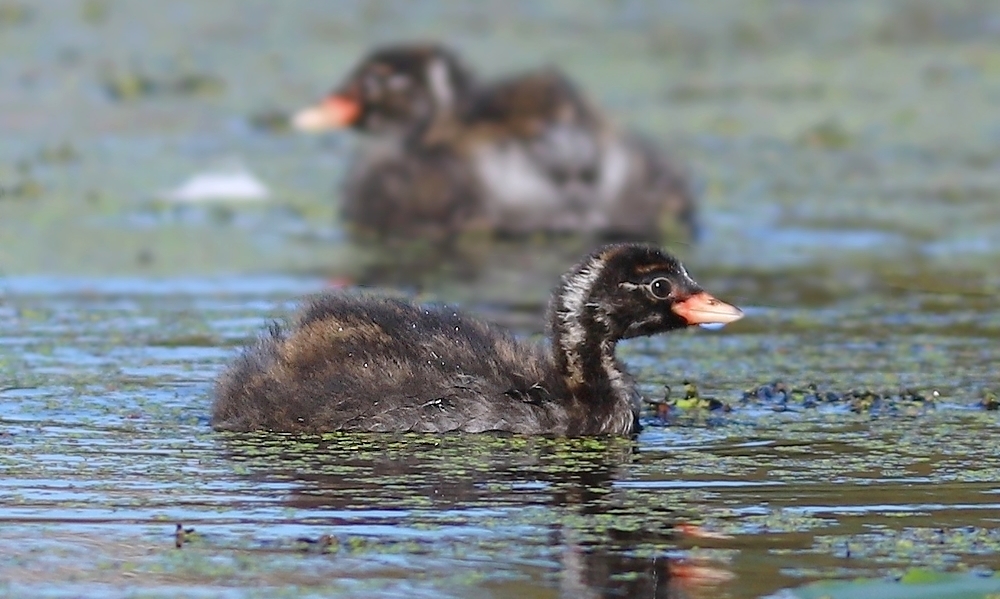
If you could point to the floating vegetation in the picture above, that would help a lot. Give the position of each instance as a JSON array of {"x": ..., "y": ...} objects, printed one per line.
[
  {"x": 271, "y": 121},
  {"x": 916, "y": 582},
  {"x": 827, "y": 135},
  {"x": 63, "y": 153},
  {"x": 940, "y": 547},
  {"x": 95, "y": 12},
  {"x": 779, "y": 396},
  {"x": 669, "y": 407},
  {"x": 27, "y": 188},
  {"x": 321, "y": 544},
  {"x": 181, "y": 535},
  {"x": 14, "y": 13},
  {"x": 129, "y": 86}
]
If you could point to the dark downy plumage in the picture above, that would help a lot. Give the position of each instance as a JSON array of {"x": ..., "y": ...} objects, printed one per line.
[
  {"x": 360, "y": 363},
  {"x": 392, "y": 90},
  {"x": 524, "y": 154}
]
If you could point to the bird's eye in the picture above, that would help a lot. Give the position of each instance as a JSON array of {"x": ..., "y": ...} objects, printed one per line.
[{"x": 660, "y": 288}]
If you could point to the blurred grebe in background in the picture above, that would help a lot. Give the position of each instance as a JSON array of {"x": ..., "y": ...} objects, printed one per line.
[{"x": 527, "y": 153}]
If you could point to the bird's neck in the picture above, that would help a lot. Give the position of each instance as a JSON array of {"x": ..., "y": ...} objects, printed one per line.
[{"x": 583, "y": 347}]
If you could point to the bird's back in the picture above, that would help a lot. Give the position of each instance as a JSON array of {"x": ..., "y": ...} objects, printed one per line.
[{"x": 376, "y": 364}]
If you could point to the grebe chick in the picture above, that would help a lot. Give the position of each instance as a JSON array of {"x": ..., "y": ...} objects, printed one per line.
[
  {"x": 356, "y": 363},
  {"x": 392, "y": 91},
  {"x": 442, "y": 155}
]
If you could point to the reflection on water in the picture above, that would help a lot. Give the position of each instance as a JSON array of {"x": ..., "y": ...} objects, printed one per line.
[{"x": 488, "y": 492}]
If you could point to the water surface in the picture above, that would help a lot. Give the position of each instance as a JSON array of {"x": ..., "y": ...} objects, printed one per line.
[{"x": 848, "y": 154}]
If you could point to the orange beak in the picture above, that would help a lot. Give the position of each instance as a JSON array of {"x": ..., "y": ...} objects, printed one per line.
[
  {"x": 334, "y": 112},
  {"x": 702, "y": 308}
]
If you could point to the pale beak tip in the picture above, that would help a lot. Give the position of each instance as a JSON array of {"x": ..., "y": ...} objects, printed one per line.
[
  {"x": 703, "y": 309},
  {"x": 308, "y": 120}
]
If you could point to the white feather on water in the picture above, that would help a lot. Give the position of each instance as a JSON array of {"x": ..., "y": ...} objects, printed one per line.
[{"x": 229, "y": 182}]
